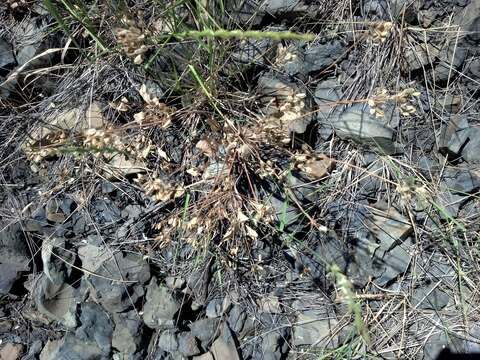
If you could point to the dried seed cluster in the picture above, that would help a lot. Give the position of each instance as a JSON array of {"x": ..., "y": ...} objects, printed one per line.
[
  {"x": 159, "y": 189},
  {"x": 285, "y": 55},
  {"x": 278, "y": 127},
  {"x": 16, "y": 4},
  {"x": 132, "y": 40},
  {"x": 402, "y": 100},
  {"x": 50, "y": 144},
  {"x": 316, "y": 166},
  {"x": 380, "y": 31},
  {"x": 97, "y": 139},
  {"x": 154, "y": 112}
]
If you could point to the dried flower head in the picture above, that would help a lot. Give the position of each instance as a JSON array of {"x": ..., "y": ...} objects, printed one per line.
[
  {"x": 285, "y": 54},
  {"x": 278, "y": 127},
  {"x": 159, "y": 189},
  {"x": 403, "y": 100},
  {"x": 379, "y": 31},
  {"x": 100, "y": 139},
  {"x": 132, "y": 40}
]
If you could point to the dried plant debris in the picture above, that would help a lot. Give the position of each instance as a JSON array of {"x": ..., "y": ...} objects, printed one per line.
[
  {"x": 402, "y": 100},
  {"x": 216, "y": 181},
  {"x": 132, "y": 40}
]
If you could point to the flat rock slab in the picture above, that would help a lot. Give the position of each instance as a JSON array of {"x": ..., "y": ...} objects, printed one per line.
[
  {"x": 355, "y": 123},
  {"x": 429, "y": 297}
]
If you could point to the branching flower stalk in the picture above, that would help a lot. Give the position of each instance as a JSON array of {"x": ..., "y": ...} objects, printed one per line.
[
  {"x": 241, "y": 34},
  {"x": 346, "y": 290}
]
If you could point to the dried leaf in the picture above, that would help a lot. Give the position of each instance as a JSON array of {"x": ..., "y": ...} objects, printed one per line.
[
  {"x": 206, "y": 147},
  {"x": 250, "y": 232},
  {"x": 319, "y": 167}
]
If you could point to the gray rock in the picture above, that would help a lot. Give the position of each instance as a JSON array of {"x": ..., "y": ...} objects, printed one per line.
[
  {"x": 471, "y": 151},
  {"x": 429, "y": 297},
  {"x": 318, "y": 57},
  {"x": 56, "y": 301},
  {"x": 224, "y": 346},
  {"x": 12, "y": 265},
  {"x": 434, "y": 346},
  {"x": 287, "y": 215},
  {"x": 275, "y": 344},
  {"x": 160, "y": 307},
  {"x": 397, "y": 261},
  {"x": 167, "y": 341},
  {"x": 7, "y": 60},
  {"x": 449, "y": 204},
  {"x": 214, "y": 308},
  {"x": 388, "y": 225},
  {"x": 316, "y": 329},
  {"x": 356, "y": 123},
  {"x": 454, "y": 136},
  {"x": 31, "y": 41},
  {"x": 205, "y": 330},
  {"x": 276, "y": 7},
  {"x": 116, "y": 296},
  {"x": 54, "y": 212},
  {"x": 461, "y": 180},
  {"x": 236, "y": 318},
  {"x": 175, "y": 283},
  {"x": 187, "y": 344},
  {"x": 326, "y": 94},
  {"x": 451, "y": 58},
  {"x": 33, "y": 350},
  {"x": 132, "y": 211},
  {"x": 128, "y": 333},
  {"x": 91, "y": 341}
]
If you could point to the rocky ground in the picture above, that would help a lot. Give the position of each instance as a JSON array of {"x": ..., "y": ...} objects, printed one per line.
[{"x": 174, "y": 188}]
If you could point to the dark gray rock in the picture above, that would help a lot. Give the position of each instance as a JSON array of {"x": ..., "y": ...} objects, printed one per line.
[
  {"x": 105, "y": 211},
  {"x": 451, "y": 59},
  {"x": 275, "y": 344},
  {"x": 318, "y": 57},
  {"x": 91, "y": 341},
  {"x": 429, "y": 297},
  {"x": 396, "y": 262},
  {"x": 160, "y": 307},
  {"x": 315, "y": 327},
  {"x": 454, "y": 137},
  {"x": 462, "y": 181},
  {"x": 355, "y": 123},
  {"x": 96, "y": 327},
  {"x": 187, "y": 344},
  {"x": 236, "y": 318},
  {"x": 116, "y": 296},
  {"x": 167, "y": 341},
  {"x": 7, "y": 60},
  {"x": 205, "y": 330},
  {"x": 255, "y": 52},
  {"x": 127, "y": 336},
  {"x": 13, "y": 258}
]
